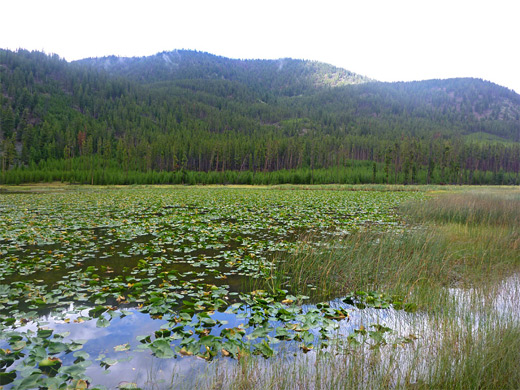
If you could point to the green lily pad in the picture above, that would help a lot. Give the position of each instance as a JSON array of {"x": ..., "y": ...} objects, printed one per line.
[{"x": 162, "y": 349}]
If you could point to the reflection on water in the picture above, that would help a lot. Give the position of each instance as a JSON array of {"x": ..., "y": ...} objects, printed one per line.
[{"x": 138, "y": 365}]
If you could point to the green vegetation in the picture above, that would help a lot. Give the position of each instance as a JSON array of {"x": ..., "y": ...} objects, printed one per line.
[
  {"x": 273, "y": 287},
  {"x": 184, "y": 117}
]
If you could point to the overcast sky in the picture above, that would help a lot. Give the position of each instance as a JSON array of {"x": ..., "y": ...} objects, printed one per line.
[{"x": 388, "y": 40}]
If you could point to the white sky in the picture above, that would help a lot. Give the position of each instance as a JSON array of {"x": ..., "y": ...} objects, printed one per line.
[{"x": 388, "y": 40}]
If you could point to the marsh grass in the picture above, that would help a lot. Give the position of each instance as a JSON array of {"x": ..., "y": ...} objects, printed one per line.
[
  {"x": 481, "y": 207},
  {"x": 458, "y": 263},
  {"x": 456, "y": 240}
]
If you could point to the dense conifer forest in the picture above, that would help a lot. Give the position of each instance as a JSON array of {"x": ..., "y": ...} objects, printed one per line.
[{"x": 192, "y": 117}]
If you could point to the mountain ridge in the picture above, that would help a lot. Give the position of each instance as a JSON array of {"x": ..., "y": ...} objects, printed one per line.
[
  {"x": 180, "y": 64},
  {"x": 314, "y": 74}
]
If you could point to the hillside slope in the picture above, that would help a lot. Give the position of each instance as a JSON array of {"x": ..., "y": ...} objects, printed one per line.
[{"x": 185, "y": 110}]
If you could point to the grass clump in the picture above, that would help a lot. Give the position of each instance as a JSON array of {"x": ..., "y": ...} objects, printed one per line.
[{"x": 482, "y": 208}]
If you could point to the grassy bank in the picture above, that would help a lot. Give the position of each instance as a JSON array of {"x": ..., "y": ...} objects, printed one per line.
[{"x": 458, "y": 263}]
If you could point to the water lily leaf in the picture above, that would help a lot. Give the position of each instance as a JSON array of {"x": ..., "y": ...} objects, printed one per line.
[
  {"x": 102, "y": 322},
  {"x": 9, "y": 321},
  {"x": 122, "y": 347},
  {"x": 107, "y": 363},
  {"x": 162, "y": 349},
  {"x": 7, "y": 377},
  {"x": 6, "y": 363},
  {"x": 97, "y": 311},
  {"x": 163, "y": 333},
  {"x": 308, "y": 337},
  {"x": 78, "y": 384},
  {"x": 29, "y": 382},
  {"x": 56, "y": 347},
  {"x": 144, "y": 338},
  {"x": 18, "y": 345},
  {"x": 50, "y": 365},
  {"x": 306, "y": 347},
  {"x": 207, "y": 322},
  {"x": 80, "y": 356},
  {"x": 73, "y": 371},
  {"x": 260, "y": 333},
  {"x": 44, "y": 333},
  {"x": 264, "y": 349},
  {"x": 128, "y": 386},
  {"x": 283, "y": 334},
  {"x": 76, "y": 345}
]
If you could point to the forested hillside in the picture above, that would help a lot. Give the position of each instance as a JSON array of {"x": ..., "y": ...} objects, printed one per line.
[{"x": 189, "y": 117}]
